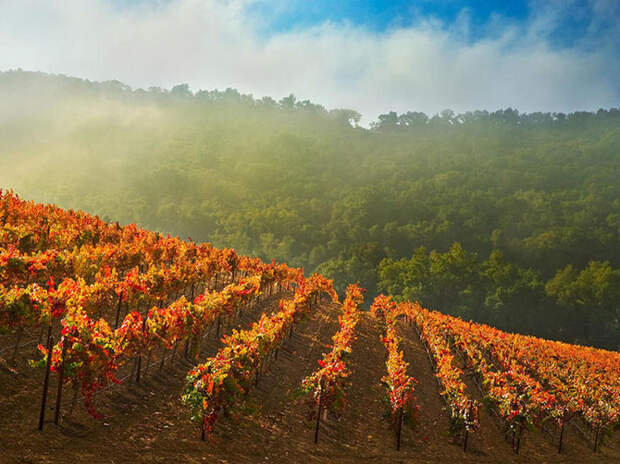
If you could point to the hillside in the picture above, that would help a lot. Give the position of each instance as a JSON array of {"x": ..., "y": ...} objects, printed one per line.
[
  {"x": 517, "y": 214},
  {"x": 135, "y": 320},
  {"x": 144, "y": 423}
]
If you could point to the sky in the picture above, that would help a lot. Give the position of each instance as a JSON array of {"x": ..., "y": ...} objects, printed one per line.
[{"x": 371, "y": 56}]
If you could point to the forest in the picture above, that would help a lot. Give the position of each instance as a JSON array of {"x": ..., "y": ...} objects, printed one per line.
[{"x": 500, "y": 217}]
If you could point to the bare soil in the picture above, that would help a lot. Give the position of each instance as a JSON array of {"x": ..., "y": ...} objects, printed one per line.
[{"x": 147, "y": 423}]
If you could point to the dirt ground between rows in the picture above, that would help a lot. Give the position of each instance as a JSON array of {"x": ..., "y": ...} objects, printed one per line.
[{"x": 147, "y": 423}]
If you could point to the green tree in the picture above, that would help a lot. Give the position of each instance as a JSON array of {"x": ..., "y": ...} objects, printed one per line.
[{"x": 591, "y": 298}]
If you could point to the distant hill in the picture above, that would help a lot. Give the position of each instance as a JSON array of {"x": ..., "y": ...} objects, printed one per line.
[{"x": 518, "y": 214}]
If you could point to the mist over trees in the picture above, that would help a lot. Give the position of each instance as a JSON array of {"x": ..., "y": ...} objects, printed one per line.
[{"x": 506, "y": 218}]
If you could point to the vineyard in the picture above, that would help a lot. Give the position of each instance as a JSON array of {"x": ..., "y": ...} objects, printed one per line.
[{"x": 122, "y": 345}]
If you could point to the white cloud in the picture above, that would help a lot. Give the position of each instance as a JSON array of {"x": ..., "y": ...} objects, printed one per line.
[{"x": 215, "y": 44}]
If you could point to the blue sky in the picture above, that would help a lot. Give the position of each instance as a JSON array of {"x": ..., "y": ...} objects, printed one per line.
[
  {"x": 372, "y": 56},
  {"x": 379, "y": 15},
  {"x": 281, "y": 16}
]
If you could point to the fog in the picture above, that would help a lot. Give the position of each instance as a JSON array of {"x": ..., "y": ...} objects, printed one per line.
[{"x": 428, "y": 65}]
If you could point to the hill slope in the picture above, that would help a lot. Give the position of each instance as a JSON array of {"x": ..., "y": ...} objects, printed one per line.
[
  {"x": 532, "y": 199},
  {"x": 145, "y": 423}
]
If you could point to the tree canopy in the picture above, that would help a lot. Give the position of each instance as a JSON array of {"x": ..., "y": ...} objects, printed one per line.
[{"x": 504, "y": 217}]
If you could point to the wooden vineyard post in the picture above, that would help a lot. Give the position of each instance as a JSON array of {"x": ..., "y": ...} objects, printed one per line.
[
  {"x": 163, "y": 358},
  {"x": 174, "y": 352},
  {"x": 139, "y": 367},
  {"x": 186, "y": 348},
  {"x": 465, "y": 440},
  {"x": 468, "y": 417},
  {"x": 203, "y": 431},
  {"x": 46, "y": 380},
  {"x": 561, "y": 433},
  {"x": 399, "y": 430},
  {"x": 20, "y": 333},
  {"x": 219, "y": 323},
  {"x": 516, "y": 438},
  {"x": 318, "y": 416},
  {"x": 598, "y": 428},
  {"x": 73, "y": 399},
  {"x": 258, "y": 368},
  {"x": 118, "y": 311},
  {"x": 148, "y": 359},
  {"x": 61, "y": 378}
]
